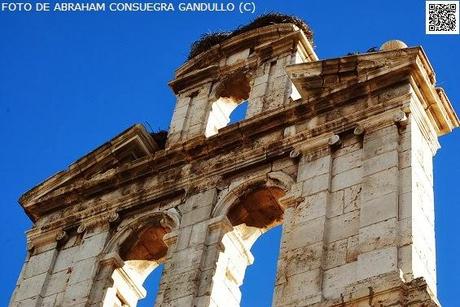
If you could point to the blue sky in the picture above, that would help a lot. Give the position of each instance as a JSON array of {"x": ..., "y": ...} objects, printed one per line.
[{"x": 71, "y": 81}]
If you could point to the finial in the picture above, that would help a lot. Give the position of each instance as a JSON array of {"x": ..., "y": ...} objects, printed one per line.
[{"x": 393, "y": 45}]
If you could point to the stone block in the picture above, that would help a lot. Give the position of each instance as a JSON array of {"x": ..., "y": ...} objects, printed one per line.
[
  {"x": 379, "y": 209},
  {"x": 406, "y": 180},
  {"x": 315, "y": 185},
  {"x": 187, "y": 259},
  {"x": 238, "y": 57},
  {"x": 380, "y": 184},
  {"x": 312, "y": 169},
  {"x": 65, "y": 258},
  {"x": 337, "y": 279},
  {"x": 199, "y": 200},
  {"x": 183, "y": 284},
  {"x": 377, "y": 262},
  {"x": 280, "y": 82},
  {"x": 405, "y": 261},
  {"x": 343, "y": 226},
  {"x": 347, "y": 179},
  {"x": 405, "y": 159},
  {"x": 405, "y": 231},
  {"x": 336, "y": 204},
  {"x": 77, "y": 294},
  {"x": 195, "y": 129},
  {"x": 92, "y": 246},
  {"x": 183, "y": 239},
  {"x": 298, "y": 289},
  {"x": 57, "y": 282},
  {"x": 405, "y": 205},
  {"x": 312, "y": 207},
  {"x": 53, "y": 300},
  {"x": 258, "y": 90},
  {"x": 39, "y": 263},
  {"x": 346, "y": 162},
  {"x": 27, "y": 302},
  {"x": 352, "y": 198},
  {"x": 30, "y": 287},
  {"x": 380, "y": 163},
  {"x": 381, "y": 141},
  {"x": 349, "y": 146},
  {"x": 352, "y": 248},
  {"x": 211, "y": 255},
  {"x": 196, "y": 216},
  {"x": 83, "y": 270},
  {"x": 336, "y": 254},
  {"x": 295, "y": 261},
  {"x": 304, "y": 234},
  {"x": 261, "y": 79},
  {"x": 255, "y": 107},
  {"x": 378, "y": 235}
]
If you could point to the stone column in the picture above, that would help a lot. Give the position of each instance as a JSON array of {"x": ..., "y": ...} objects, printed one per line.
[
  {"x": 223, "y": 269},
  {"x": 104, "y": 290},
  {"x": 186, "y": 252},
  {"x": 300, "y": 272},
  {"x": 180, "y": 116},
  {"x": 271, "y": 86},
  {"x": 378, "y": 227},
  {"x": 343, "y": 213},
  {"x": 191, "y": 114},
  {"x": 36, "y": 276},
  {"x": 77, "y": 265}
]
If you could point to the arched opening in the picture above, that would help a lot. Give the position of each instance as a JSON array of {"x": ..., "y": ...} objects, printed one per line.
[
  {"x": 257, "y": 291},
  {"x": 239, "y": 113},
  {"x": 231, "y": 103},
  {"x": 151, "y": 284},
  {"x": 254, "y": 213},
  {"x": 142, "y": 252},
  {"x": 258, "y": 208}
]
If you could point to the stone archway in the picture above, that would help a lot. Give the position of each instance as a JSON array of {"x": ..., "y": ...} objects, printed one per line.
[
  {"x": 228, "y": 94},
  {"x": 248, "y": 211},
  {"x": 135, "y": 250}
]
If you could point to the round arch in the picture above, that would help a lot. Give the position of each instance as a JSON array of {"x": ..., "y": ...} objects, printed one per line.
[
  {"x": 169, "y": 218},
  {"x": 133, "y": 252},
  {"x": 250, "y": 208},
  {"x": 230, "y": 196}
]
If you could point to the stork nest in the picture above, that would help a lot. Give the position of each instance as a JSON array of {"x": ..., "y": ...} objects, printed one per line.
[{"x": 209, "y": 40}]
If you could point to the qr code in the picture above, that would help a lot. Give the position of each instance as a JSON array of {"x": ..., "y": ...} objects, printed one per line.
[{"x": 442, "y": 17}]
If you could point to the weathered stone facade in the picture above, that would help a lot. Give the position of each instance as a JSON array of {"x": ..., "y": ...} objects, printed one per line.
[{"x": 338, "y": 151}]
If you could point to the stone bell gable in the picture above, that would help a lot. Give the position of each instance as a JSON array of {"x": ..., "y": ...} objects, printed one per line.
[{"x": 337, "y": 151}]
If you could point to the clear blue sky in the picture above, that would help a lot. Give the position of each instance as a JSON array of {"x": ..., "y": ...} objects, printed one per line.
[{"x": 71, "y": 81}]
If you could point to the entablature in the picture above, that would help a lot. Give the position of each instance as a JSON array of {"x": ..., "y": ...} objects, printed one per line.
[{"x": 167, "y": 175}]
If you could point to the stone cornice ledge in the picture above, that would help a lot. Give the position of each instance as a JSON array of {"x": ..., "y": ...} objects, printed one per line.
[
  {"x": 300, "y": 141},
  {"x": 168, "y": 163},
  {"x": 322, "y": 78}
]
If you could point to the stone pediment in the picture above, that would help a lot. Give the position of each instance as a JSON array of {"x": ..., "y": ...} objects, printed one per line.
[
  {"x": 243, "y": 52},
  {"x": 320, "y": 79},
  {"x": 132, "y": 145}
]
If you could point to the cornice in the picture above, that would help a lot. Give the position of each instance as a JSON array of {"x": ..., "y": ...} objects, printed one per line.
[{"x": 177, "y": 170}]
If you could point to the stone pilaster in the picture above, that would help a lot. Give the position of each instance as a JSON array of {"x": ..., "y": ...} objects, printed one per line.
[
  {"x": 179, "y": 284},
  {"x": 300, "y": 270},
  {"x": 36, "y": 276}
]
